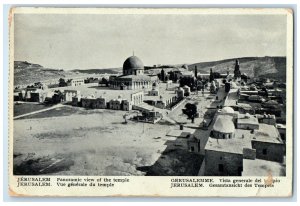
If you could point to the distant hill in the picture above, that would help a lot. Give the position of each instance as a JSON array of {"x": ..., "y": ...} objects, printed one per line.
[
  {"x": 27, "y": 73},
  {"x": 272, "y": 67},
  {"x": 99, "y": 71}
]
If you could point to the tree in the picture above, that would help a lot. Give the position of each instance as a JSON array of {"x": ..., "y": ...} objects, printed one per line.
[
  {"x": 172, "y": 76},
  {"x": 190, "y": 110},
  {"x": 162, "y": 75},
  {"x": 62, "y": 82},
  {"x": 57, "y": 97},
  {"x": 211, "y": 75},
  {"x": 188, "y": 81},
  {"x": 237, "y": 72},
  {"x": 104, "y": 81}
]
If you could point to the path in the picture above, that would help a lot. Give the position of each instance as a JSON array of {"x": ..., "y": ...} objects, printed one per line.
[{"x": 38, "y": 111}]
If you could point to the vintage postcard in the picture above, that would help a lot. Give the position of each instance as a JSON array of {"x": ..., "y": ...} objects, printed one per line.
[{"x": 151, "y": 102}]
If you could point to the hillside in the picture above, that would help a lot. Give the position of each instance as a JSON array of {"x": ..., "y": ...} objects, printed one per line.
[
  {"x": 99, "y": 71},
  {"x": 274, "y": 67},
  {"x": 27, "y": 73}
]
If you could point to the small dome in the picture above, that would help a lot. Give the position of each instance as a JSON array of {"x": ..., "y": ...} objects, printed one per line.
[
  {"x": 227, "y": 110},
  {"x": 133, "y": 63},
  {"x": 224, "y": 124}
]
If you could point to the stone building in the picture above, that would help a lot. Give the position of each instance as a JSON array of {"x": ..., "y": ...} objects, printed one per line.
[
  {"x": 226, "y": 154},
  {"x": 31, "y": 95},
  {"x": 193, "y": 144},
  {"x": 223, "y": 127},
  {"x": 247, "y": 121},
  {"x": 282, "y": 131},
  {"x": 69, "y": 94},
  {"x": 154, "y": 91},
  {"x": 76, "y": 100},
  {"x": 75, "y": 82},
  {"x": 267, "y": 119},
  {"x": 223, "y": 163},
  {"x": 94, "y": 103},
  {"x": 187, "y": 90},
  {"x": 36, "y": 97},
  {"x": 115, "y": 104},
  {"x": 137, "y": 98},
  {"x": 180, "y": 93},
  {"x": 268, "y": 143},
  {"x": 133, "y": 77},
  {"x": 227, "y": 111},
  {"x": 126, "y": 105}
]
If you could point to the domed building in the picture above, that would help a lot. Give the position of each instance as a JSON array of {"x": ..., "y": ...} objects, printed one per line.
[
  {"x": 133, "y": 77},
  {"x": 133, "y": 66},
  {"x": 223, "y": 127},
  {"x": 227, "y": 111}
]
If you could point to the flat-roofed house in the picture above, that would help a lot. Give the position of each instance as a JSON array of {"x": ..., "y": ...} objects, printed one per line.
[
  {"x": 69, "y": 94},
  {"x": 247, "y": 121}
]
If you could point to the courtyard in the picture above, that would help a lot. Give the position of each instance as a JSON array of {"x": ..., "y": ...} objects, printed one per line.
[{"x": 76, "y": 141}]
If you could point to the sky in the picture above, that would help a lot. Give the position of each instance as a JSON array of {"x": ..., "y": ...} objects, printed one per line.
[{"x": 90, "y": 41}]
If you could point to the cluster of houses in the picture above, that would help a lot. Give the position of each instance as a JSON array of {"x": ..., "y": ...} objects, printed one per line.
[
  {"x": 238, "y": 140},
  {"x": 241, "y": 138},
  {"x": 92, "y": 102}
]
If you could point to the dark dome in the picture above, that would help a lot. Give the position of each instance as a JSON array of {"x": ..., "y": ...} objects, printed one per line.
[{"x": 133, "y": 63}]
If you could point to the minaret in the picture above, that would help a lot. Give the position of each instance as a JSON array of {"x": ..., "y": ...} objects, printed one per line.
[{"x": 237, "y": 72}]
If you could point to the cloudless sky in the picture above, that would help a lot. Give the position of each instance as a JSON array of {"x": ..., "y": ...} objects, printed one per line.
[{"x": 86, "y": 41}]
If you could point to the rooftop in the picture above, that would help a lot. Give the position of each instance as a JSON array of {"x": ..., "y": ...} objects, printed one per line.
[
  {"x": 180, "y": 133},
  {"x": 247, "y": 119},
  {"x": 93, "y": 89},
  {"x": 133, "y": 62},
  {"x": 243, "y": 139},
  {"x": 234, "y": 145},
  {"x": 224, "y": 124},
  {"x": 267, "y": 133},
  {"x": 260, "y": 167},
  {"x": 227, "y": 110},
  {"x": 166, "y": 94},
  {"x": 244, "y": 106}
]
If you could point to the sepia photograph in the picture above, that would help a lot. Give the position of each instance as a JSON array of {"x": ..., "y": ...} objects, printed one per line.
[{"x": 151, "y": 92}]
